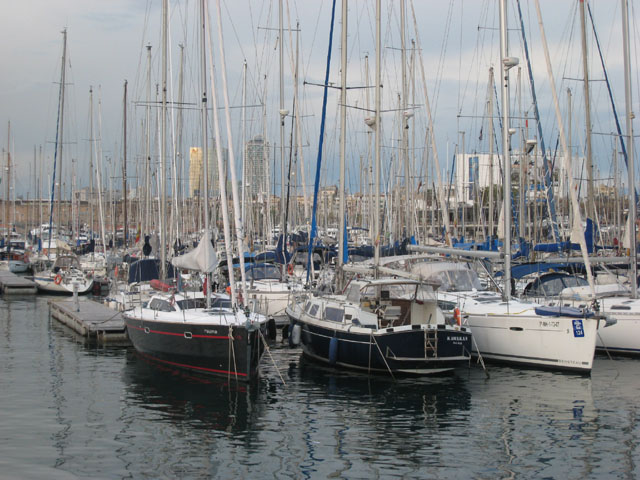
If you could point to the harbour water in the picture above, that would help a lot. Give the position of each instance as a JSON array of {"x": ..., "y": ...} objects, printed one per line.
[{"x": 70, "y": 410}]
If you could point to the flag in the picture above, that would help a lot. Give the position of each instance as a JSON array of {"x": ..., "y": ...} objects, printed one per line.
[{"x": 138, "y": 234}]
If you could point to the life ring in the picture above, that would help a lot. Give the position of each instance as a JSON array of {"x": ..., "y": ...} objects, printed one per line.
[
  {"x": 58, "y": 279},
  {"x": 457, "y": 316},
  {"x": 290, "y": 269}
]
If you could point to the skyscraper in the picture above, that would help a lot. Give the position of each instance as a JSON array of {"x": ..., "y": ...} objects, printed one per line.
[
  {"x": 196, "y": 169},
  {"x": 255, "y": 175}
]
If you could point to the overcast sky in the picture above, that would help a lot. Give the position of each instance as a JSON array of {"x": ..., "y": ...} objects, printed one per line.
[{"x": 458, "y": 43}]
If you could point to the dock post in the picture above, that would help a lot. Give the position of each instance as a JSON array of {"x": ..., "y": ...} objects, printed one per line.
[{"x": 76, "y": 301}]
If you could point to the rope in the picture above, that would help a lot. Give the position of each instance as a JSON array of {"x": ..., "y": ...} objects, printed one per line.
[
  {"x": 266, "y": 347},
  {"x": 605, "y": 347},
  {"x": 232, "y": 354},
  {"x": 383, "y": 359},
  {"x": 480, "y": 359}
]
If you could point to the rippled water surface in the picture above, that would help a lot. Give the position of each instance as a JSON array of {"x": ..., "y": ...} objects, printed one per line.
[{"x": 75, "y": 411}]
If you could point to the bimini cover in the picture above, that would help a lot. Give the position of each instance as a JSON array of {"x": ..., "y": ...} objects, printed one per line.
[
  {"x": 147, "y": 269},
  {"x": 203, "y": 258}
]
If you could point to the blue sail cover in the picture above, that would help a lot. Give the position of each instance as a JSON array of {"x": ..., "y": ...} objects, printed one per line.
[
  {"x": 314, "y": 225},
  {"x": 589, "y": 234}
]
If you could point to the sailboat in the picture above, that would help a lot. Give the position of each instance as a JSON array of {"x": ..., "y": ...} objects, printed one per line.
[
  {"x": 504, "y": 329},
  {"x": 203, "y": 334},
  {"x": 200, "y": 332},
  {"x": 379, "y": 325},
  {"x": 65, "y": 276}
]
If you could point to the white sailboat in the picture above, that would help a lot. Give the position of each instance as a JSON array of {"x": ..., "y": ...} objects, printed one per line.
[{"x": 504, "y": 329}]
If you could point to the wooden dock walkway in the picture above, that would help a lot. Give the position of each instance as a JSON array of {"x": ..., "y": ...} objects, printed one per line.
[
  {"x": 12, "y": 284},
  {"x": 92, "y": 320}
]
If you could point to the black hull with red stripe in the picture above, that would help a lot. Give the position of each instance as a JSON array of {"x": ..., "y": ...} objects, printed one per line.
[{"x": 207, "y": 349}]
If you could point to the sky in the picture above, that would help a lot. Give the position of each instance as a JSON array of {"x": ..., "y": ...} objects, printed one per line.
[{"x": 458, "y": 42}]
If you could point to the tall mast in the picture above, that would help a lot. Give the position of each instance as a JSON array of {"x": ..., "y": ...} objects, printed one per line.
[
  {"x": 91, "y": 166},
  {"x": 490, "y": 116},
  {"x": 405, "y": 115},
  {"x": 163, "y": 144},
  {"x": 7, "y": 180},
  {"x": 205, "y": 149},
  {"x": 59, "y": 137},
  {"x": 343, "y": 141},
  {"x": 147, "y": 166},
  {"x": 587, "y": 115},
  {"x": 245, "y": 174},
  {"x": 63, "y": 76},
  {"x": 125, "y": 222},
  {"x": 507, "y": 63},
  {"x": 283, "y": 113},
  {"x": 179, "y": 195},
  {"x": 630, "y": 157},
  {"x": 378, "y": 127}
]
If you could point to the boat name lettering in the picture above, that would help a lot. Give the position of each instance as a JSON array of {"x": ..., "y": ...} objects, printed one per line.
[
  {"x": 547, "y": 323},
  {"x": 211, "y": 332},
  {"x": 456, "y": 339}
]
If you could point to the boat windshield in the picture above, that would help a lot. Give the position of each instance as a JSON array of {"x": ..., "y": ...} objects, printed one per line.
[
  {"x": 263, "y": 272},
  {"x": 190, "y": 303},
  {"x": 386, "y": 291},
  {"x": 218, "y": 302},
  {"x": 457, "y": 280}
]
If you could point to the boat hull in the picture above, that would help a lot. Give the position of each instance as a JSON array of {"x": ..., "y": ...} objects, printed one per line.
[
  {"x": 622, "y": 338},
  {"x": 48, "y": 284},
  {"x": 555, "y": 343},
  {"x": 220, "y": 350},
  {"x": 407, "y": 350}
]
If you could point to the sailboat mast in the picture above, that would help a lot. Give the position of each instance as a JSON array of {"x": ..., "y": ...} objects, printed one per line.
[
  {"x": 125, "y": 223},
  {"x": 147, "y": 164},
  {"x": 491, "y": 140},
  {"x": 7, "y": 181},
  {"x": 630, "y": 157},
  {"x": 283, "y": 113},
  {"x": 405, "y": 115},
  {"x": 507, "y": 63},
  {"x": 343, "y": 141},
  {"x": 205, "y": 146},
  {"x": 587, "y": 116},
  {"x": 163, "y": 142},
  {"x": 378, "y": 122}
]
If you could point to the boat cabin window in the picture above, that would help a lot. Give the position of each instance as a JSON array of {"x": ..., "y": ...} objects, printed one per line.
[
  {"x": 190, "y": 303},
  {"x": 334, "y": 314},
  {"x": 457, "y": 280},
  {"x": 314, "y": 310},
  {"x": 446, "y": 306},
  {"x": 219, "y": 302},
  {"x": 263, "y": 272},
  {"x": 161, "y": 305},
  {"x": 67, "y": 262}
]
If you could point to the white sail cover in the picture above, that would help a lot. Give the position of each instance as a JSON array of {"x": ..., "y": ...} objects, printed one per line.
[{"x": 202, "y": 258}]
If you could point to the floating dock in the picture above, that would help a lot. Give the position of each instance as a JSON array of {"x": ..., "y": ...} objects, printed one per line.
[
  {"x": 92, "y": 320},
  {"x": 12, "y": 284}
]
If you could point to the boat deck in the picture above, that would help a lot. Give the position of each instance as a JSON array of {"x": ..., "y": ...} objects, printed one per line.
[
  {"x": 92, "y": 320},
  {"x": 12, "y": 284}
]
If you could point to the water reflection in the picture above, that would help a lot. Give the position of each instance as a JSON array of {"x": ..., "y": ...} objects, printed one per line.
[
  {"x": 178, "y": 396},
  {"x": 350, "y": 425},
  {"x": 543, "y": 423}
]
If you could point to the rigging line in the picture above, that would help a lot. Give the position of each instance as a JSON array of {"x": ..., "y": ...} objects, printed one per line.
[
  {"x": 635, "y": 41},
  {"x": 613, "y": 105},
  {"x": 441, "y": 60}
]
